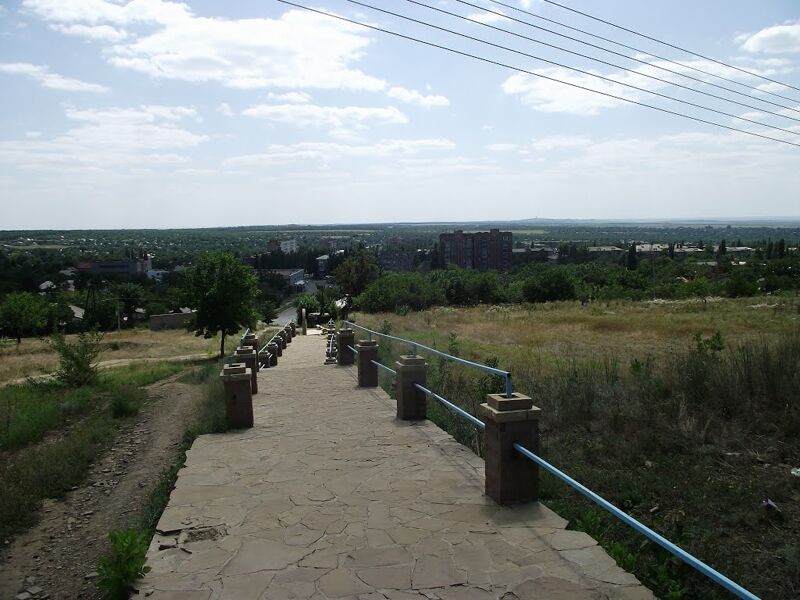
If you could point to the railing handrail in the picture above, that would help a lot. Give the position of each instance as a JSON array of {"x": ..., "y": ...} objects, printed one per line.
[
  {"x": 415, "y": 345},
  {"x": 690, "y": 560},
  {"x": 384, "y": 367}
]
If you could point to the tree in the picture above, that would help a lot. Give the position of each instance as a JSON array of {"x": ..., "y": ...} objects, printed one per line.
[
  {"x": 552, "y": 285},
  {"x": 781, "y": 248},
  {"x": 307, "y": 301},
  {"x": 632, "y": 261},
  {"x": 21, "y": 312},
  {"x": 268, "y": 310},
  {"x": 130, "y": 296},
  {"x": 356, "y": 273},
  {"x": 723, "y": 248},
  {"x": 223, "y": 291}
]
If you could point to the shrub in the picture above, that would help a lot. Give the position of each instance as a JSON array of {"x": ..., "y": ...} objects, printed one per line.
[
  {"x": 550, "y": 286},
  {"x": 125, "y": 401},
  {"x": 307, "y": 301},
  {"x": 75, "y": 359},
  {"x": 397, "y": 289},
  {"x": 117, "y": 572}
]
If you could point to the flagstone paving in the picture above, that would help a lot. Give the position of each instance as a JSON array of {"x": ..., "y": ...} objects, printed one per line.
[{"x": 329, "y": 496}]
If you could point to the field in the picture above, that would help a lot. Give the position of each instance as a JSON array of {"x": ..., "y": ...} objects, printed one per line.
[
  {"x": 35, "y": 357},
  {"x": 688, "y": 434}
]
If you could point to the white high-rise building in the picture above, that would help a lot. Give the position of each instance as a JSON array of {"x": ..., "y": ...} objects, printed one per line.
[{"x": 289, "y": 246}]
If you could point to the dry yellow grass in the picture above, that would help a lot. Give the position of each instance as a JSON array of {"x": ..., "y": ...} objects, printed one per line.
[
  {"x": 622, "y": 330},
  {"x": 35, "y": 357}
]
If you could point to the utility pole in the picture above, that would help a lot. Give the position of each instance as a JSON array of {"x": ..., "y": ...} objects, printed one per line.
[{"x": 653, "y": 263}]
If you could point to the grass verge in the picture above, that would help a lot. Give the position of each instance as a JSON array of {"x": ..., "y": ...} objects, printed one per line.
[{"x": 32, "y": 471}]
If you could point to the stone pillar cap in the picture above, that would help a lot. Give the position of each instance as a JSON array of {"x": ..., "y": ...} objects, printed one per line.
[
  {"x": 407, "y": 360},
  {"x": 508, "y": 415},
  {"x": 245, "y": 350},
  {"x": 235, "y": 373},
  {"x": 366, "y": 343}
]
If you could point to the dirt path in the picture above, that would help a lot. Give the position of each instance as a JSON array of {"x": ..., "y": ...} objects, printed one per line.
[
  {"x": 57, "y": 558},
  {"x": 112, "y": 364}
]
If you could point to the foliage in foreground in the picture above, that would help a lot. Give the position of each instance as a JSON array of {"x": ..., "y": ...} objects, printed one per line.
[
  {"x": 76, "y": 366},
  {"x": 126, "y": 564}
]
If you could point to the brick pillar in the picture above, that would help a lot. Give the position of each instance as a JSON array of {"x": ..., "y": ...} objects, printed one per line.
[
  {"x": 282, "y": 339},
  {"x": 510, "y": 477},
  {"x": 238, "y": 395},
  {"x": 263, "y": 359},
  {"x": 294, "y": 328},
  {"x": 411, "y": 403},
  {"x": 345, "y": 338},
  {"x": 249, "y": 357},
  {"x": 251, "y": 340},
  {"x": 274, "y": 349},
  {"x": 279, "y": 347},
  {"x": 367, "y": 372},
  {"x": 288, "y": 331}
]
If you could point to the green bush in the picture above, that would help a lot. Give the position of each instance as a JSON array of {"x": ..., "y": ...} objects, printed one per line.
[
  {"x": 119, "y": 571},
  {"x": 549, "y": 286},
  {"x": 307, "y": 301},
  {"x": 125, "y": 401},
  {"x": 76, "y": 359},
  {"x": 400, "y": 289}
]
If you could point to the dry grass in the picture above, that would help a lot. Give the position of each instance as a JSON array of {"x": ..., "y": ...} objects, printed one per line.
[
  {"x": 621, "y": 330},
  {"x": 35, "y": 357}
]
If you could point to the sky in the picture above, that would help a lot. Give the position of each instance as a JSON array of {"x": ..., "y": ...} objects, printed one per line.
[{"x": 156, "y": 113}]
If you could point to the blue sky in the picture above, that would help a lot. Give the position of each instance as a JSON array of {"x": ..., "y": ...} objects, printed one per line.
[{"x": 153, "y": 113}]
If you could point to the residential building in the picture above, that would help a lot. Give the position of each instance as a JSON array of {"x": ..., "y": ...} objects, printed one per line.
[
  {"x": 322, "y": 265},
  {"x": 289, "y": 246},
  {"x": 132, "y": 267},
  {"x": 483, "y": 250}
]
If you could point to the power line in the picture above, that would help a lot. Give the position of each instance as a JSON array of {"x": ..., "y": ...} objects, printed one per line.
[
  {"x": 685, "y": 66},
  {"x": 668, "y": 44},
  {"x": 604, "y": 62},
  {"x": 534, "y": 74},
  {"x": 633, "y": 58},
  {"x": 577, "y": 70}
]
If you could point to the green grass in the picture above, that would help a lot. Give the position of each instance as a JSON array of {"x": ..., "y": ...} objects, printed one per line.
[{"x": 33, "y": 468}]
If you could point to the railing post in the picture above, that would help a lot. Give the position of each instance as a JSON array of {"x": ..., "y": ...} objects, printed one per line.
[
  {"x": 293, "y": 327},
  {"x": 367, "y": 370},
  {"x": 288, "y": 331},
  {"x": 236, "y": 380},
  {"x": 510, "y": 477},
  {"x": 281, "y": 338},
  {"x": 412, "y": 404},
  {"x": 249, "y": 357},
  {"x": 263, "y": 358},
  {"x": 250, "y": 340},
  {"x": 275, "y": 350},
  {"x": 305, "y": 322},
  {"x": 344, "y": 339}
]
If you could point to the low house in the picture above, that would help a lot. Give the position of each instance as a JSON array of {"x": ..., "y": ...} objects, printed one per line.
[{"x": 178, "y": 320}]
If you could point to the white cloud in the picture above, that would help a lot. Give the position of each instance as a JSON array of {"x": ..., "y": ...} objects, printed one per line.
[
  {"x": 486, "y": 17},
  {"x": 298, "y": 49},
  {"x": 290, "y": 97},
  {"x": 280, "y": 154},
  {"x": 104, "y": 33},
  {"x": 415, "y": 97},
  {"x": 225, "y": 109},
  {"x": 774, "y": 40},
  {"x": 502, "y": 147},
  {"x": 108, "y": 138},
  {"x": 310, "y": 115},
  {"x": 53, "y": 81}
]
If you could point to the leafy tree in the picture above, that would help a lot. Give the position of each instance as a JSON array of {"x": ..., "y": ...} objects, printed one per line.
[
  {"x": 223, "y": 291},
  {"x": 268, "y": 310},
  {"x": 632, "y": 261},
  {"x": 356, "y": 273},
  {"x": 307, "y": 301},
  {"x": 130, "y": 296},
  {"x": 395, "y": 290},
  {"x": 21, "y": 312},
  {"x": 740, "y": 284},
  {"x": 723, "y": 248},
  {"x": 781, "y": 249},
  {"x": 552, "y": 285},
  {"x": 76, "y": 366}
]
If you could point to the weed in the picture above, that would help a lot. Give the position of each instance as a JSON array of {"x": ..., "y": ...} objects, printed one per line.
[
  {"x": 126, "y": 564},
  {"x": 125, "y": 401},
  {"x": 76, "y": 359}
]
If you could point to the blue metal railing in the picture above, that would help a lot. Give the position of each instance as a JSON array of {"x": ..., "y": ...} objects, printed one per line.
[
  {"x": 352, "y": 349},
  {"x": 690, "y": 560},
  {"x": 414, "y": 346},
  {"x": 384, "y": 367},
  {"x": 451, "y": 406},
  {"x": 272, "y": 339}
]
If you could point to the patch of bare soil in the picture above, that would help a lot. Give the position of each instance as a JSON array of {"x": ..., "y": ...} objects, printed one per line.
[{"x": 57, "y": 558}]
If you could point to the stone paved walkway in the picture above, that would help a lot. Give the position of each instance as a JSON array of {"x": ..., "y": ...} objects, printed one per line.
[{"x": 330, "y": 497}]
